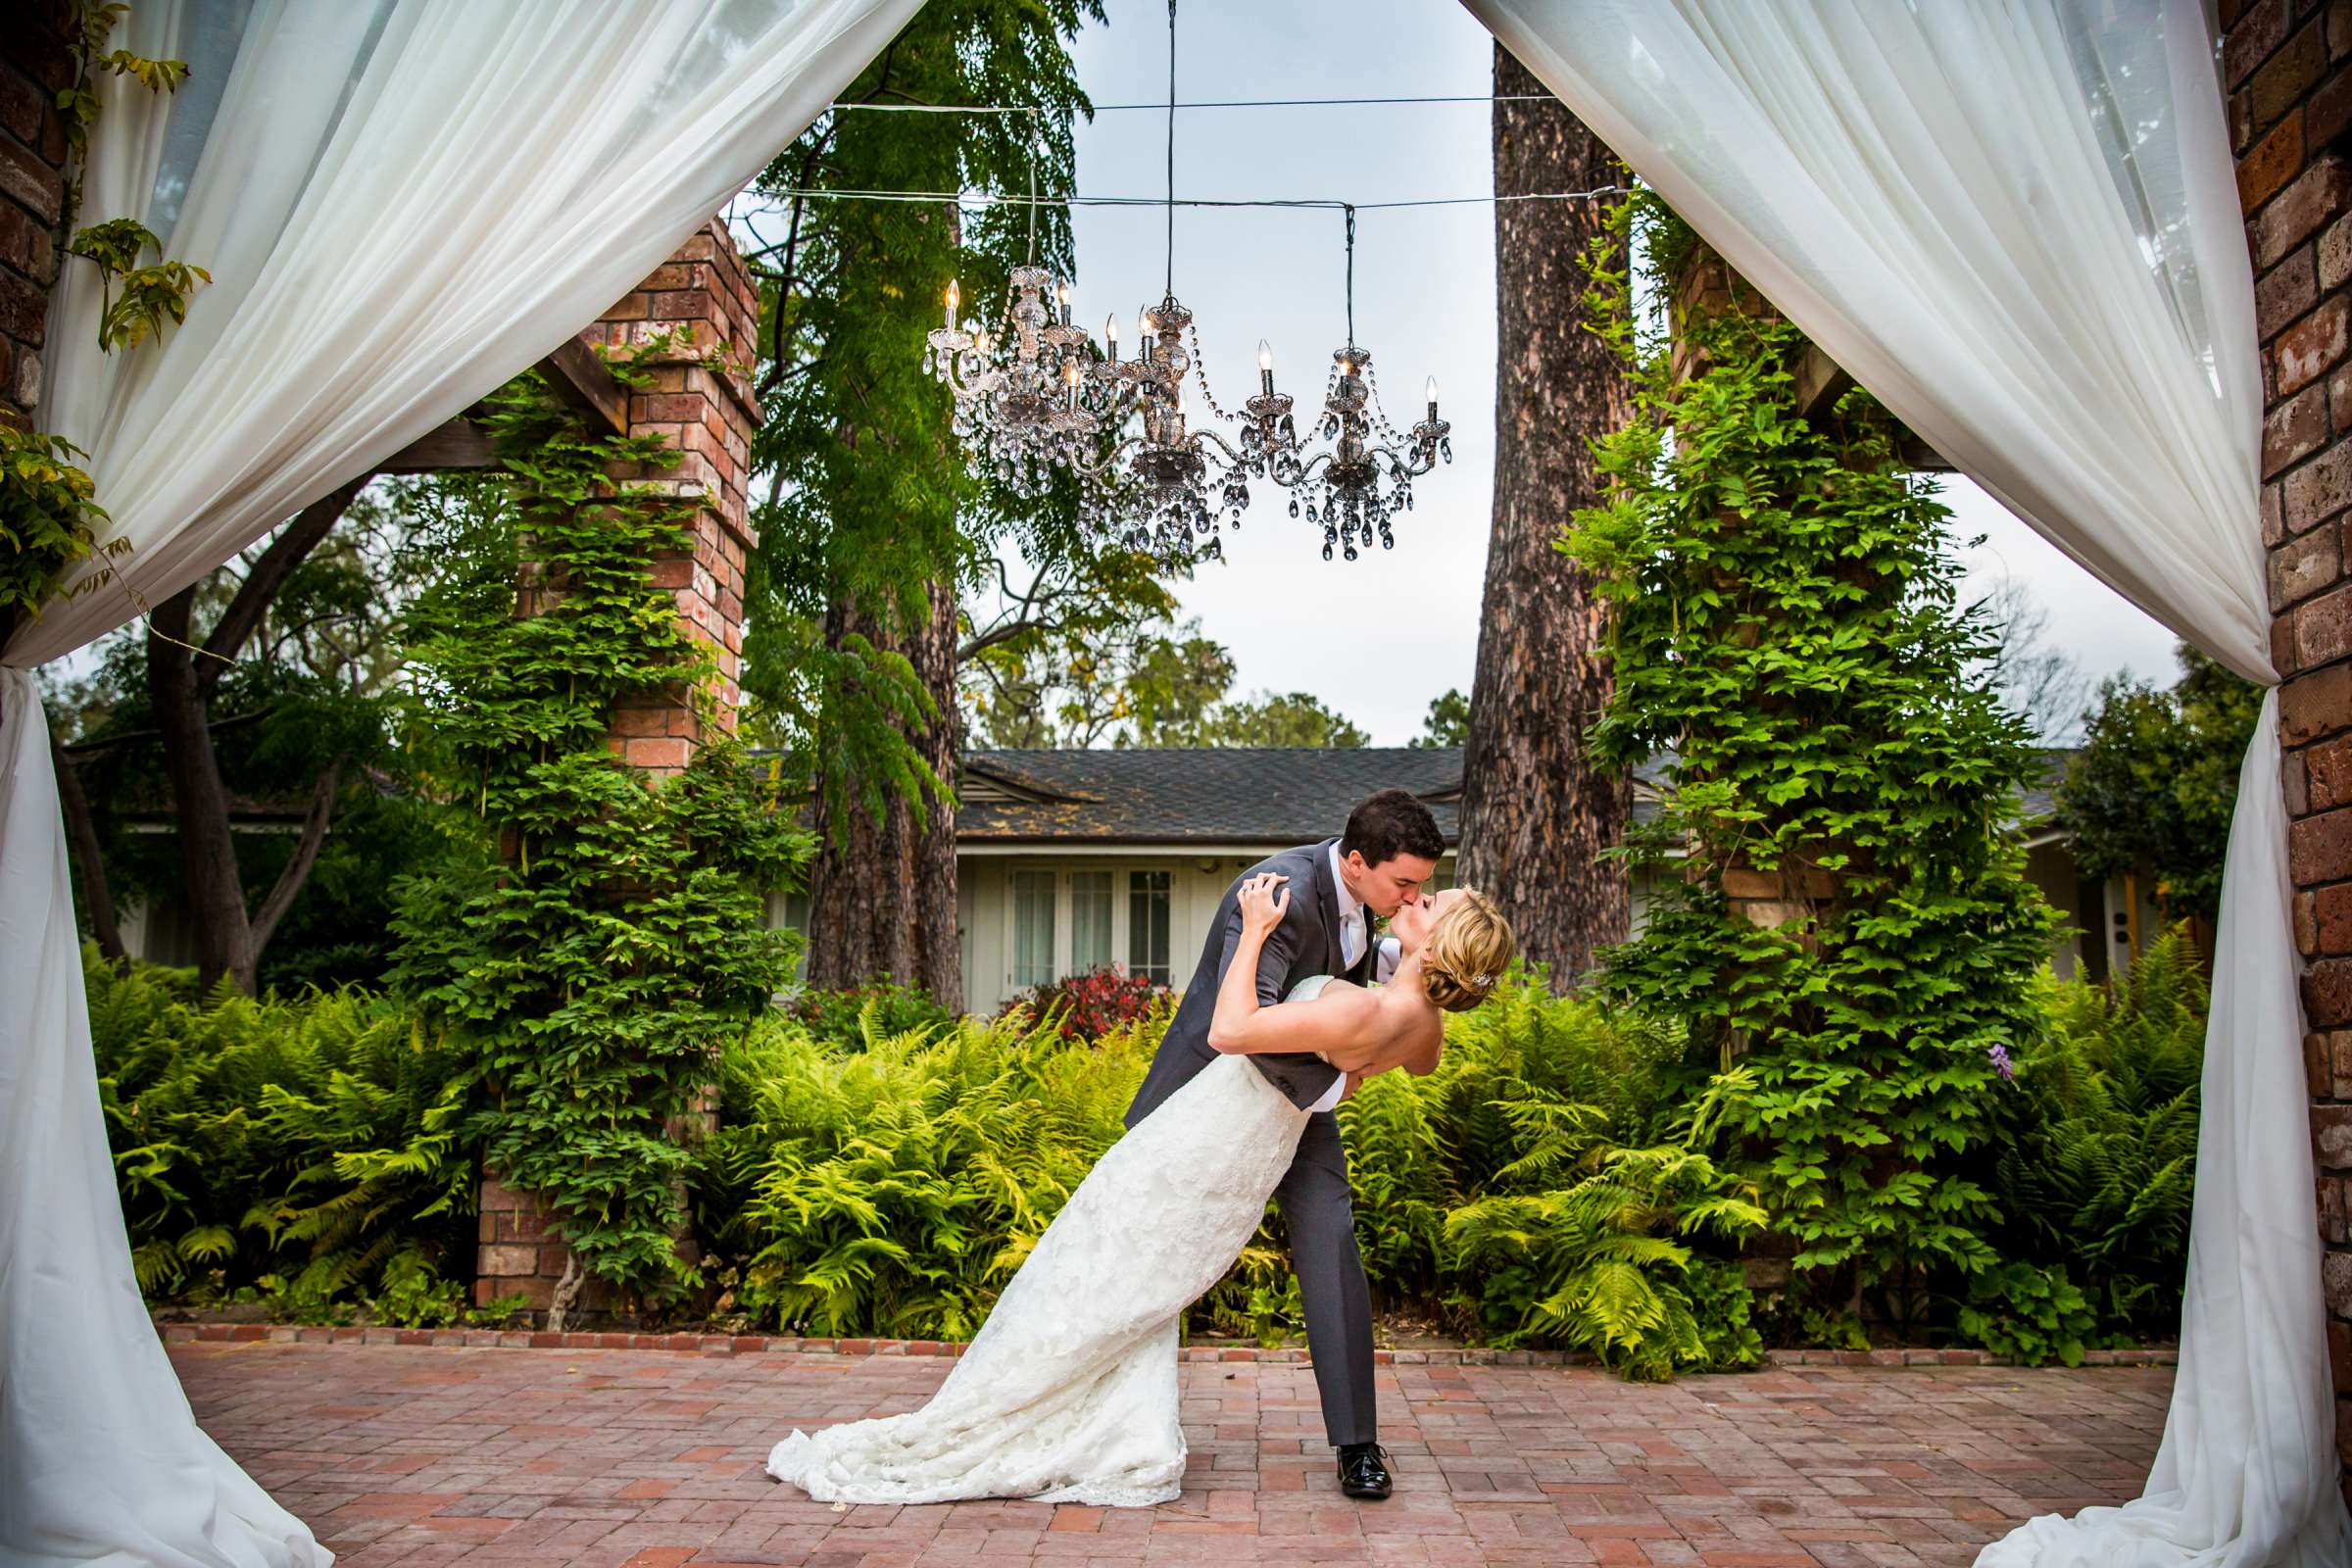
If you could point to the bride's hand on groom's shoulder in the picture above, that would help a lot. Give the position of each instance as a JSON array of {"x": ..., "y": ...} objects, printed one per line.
[{"x": 1264, "y": 902}]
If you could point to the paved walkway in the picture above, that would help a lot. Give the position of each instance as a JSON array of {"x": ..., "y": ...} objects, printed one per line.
[{"x": 650, "y": 1459}]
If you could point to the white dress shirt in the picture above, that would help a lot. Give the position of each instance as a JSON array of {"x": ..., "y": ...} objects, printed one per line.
[{"x": 1356, "y": 926}]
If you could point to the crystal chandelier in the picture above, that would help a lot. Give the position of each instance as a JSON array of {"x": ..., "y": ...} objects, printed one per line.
[
  {"x": 1015, "y": 412},
  {"x": 1167, "y": 489},
  {"x": 1039, "y": 397},
  {"x": 1365, "y": 447}
]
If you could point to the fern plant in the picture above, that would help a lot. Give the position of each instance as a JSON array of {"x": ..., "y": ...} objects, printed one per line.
[
  {"x": 1589, "y": 1242},
  {"x": 308, "y": 1142},
  {"x": 2097, "y": 1138},
  {"x": 893, "y": 1189}
]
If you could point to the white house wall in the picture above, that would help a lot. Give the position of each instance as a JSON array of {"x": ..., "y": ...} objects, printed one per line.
[{"x": 1196, "y": 884}]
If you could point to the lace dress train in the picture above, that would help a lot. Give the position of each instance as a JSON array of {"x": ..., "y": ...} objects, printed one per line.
[{"x": 1068, "y": 1392}]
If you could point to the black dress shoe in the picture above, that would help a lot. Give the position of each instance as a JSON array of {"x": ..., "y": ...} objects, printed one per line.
[{"x": 1364, "y": 1470}]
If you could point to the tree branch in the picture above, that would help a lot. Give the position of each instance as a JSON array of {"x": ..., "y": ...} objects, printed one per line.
[
  {"x": 95, "y": 890},
  {"x": 791, "y": 250},
  {"x": 306, "y": 855},
  {"x": 1032, "y": 614},
  {"x": 109, "y": 742},
  {"x": 287, "y": 551}
]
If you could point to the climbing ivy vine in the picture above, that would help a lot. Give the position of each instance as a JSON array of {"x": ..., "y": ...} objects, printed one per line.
[
  {"x": 608, "y": 934},
  {"x": 1787, "y": 625}
]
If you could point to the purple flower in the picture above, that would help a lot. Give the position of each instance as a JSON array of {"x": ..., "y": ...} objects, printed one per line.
[{"x": 2001, "y": 1063}]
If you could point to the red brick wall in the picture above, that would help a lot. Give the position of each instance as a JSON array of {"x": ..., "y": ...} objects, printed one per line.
[
  {"x": 2287, "y": 67},
  {"x": 33, "y": 66}
]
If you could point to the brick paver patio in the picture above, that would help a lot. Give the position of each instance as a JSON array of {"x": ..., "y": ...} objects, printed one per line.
[{"x": 650, "y": 1459}]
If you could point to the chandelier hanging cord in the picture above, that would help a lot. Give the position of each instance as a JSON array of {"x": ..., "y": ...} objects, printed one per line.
[
  {"x": 1170, "y": 289},
  {"x": 1349, "y": 208}
]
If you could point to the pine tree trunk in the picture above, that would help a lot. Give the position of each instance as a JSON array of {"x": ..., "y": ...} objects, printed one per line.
[
  {"x": 938, "y": 960},
  {"x": 882, "y": 894},
  {"x": 1535, "y": 810}
]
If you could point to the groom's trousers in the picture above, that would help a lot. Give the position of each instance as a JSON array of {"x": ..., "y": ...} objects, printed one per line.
[{"x": 1318, "y": 1214}]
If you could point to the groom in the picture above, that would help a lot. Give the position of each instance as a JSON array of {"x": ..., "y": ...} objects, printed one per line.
[{"x": 1388, "y": 853}]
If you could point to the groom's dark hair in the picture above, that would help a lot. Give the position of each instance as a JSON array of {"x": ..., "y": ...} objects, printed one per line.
[{"x": 1391, "y": 824}]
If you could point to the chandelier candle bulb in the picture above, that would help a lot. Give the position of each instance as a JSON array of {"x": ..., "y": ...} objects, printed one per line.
[
  {"x": 1265, "y": 367},
  {"x": 1061, "y": 293},
  {"x": 1432, "y": 400},
  {"x": 953, "y": 297}
]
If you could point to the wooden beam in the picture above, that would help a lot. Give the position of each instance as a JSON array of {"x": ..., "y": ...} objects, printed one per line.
[
  {"x": 581, "y": 381},
  {"x": 459, "y": 444},
  {"x": 1820, "y": 381},
  {"x": 576, "y": 375}
]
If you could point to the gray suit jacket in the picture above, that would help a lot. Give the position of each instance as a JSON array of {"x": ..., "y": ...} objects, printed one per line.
[{"x": 1306, "y": 943}]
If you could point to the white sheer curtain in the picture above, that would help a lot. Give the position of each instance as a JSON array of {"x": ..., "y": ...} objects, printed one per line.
[
  {"x": 2016, "y": 223},
  {"x": 401, "y": 203}
]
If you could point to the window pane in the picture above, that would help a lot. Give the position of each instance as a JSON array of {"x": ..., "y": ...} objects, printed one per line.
[
  {"x": 1032, "y": 928},
  {"x": 1090, "y": 920},
  {"x": 1147, "y": 925}
]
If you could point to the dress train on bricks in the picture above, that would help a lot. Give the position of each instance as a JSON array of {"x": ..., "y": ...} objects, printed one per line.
[{"x": 1068, "y": 1392}]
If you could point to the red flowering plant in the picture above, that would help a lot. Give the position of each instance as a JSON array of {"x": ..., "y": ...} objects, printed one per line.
[{"x": 1087, "y": 1007}]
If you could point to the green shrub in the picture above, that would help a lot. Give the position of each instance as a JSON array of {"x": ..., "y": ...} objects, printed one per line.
[
  {"x": 1540, "y": 1184},
  {"x": 2097, "y": 1139},
  {"x": 298, "y": 1149},
  {"x": 877, "y": 1009},
  {"x": 2027, "y": 1314},
  {"x": 894, "y": 1187}
]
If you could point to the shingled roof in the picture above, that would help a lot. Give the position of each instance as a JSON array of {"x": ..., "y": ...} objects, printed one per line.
[
  {"x": 1222, "y": 794},
  {"x": 1242, "y": 796}
]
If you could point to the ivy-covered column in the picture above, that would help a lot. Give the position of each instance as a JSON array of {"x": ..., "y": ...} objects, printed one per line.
[
  {"x": 1843, "y": 926},
  {"x": 689, "y": 329}
]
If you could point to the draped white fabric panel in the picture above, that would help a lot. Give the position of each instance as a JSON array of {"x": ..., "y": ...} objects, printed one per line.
[
  {"x": 2016, "y": 222},
  {"x": 402, "y": 204}
]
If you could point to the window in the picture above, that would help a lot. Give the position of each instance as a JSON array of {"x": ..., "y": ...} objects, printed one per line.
[
  {"x": 1032, "y": 928},
  {"x": 1090, "y": 921},
  {"x": 1148, "y": 926}
]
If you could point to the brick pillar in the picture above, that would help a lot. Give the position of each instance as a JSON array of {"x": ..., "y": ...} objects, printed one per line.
[
  {"x": 2287, "y": 69},
  {"x": 702, "y": 400},
  {"x": 33, "y": 67}
]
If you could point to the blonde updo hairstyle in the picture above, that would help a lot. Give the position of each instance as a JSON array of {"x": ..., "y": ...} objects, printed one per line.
[{"x": 1467, "y": 953}]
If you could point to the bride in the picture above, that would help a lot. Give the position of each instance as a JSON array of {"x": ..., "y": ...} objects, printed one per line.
[{"x": 1068, "y": 1393}]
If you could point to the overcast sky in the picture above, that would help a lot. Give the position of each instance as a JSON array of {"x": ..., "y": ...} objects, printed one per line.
[{"x": 1423, "y": 305}]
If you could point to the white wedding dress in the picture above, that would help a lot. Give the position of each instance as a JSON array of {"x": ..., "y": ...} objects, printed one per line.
[{"x": 1068, "y": 1392}]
